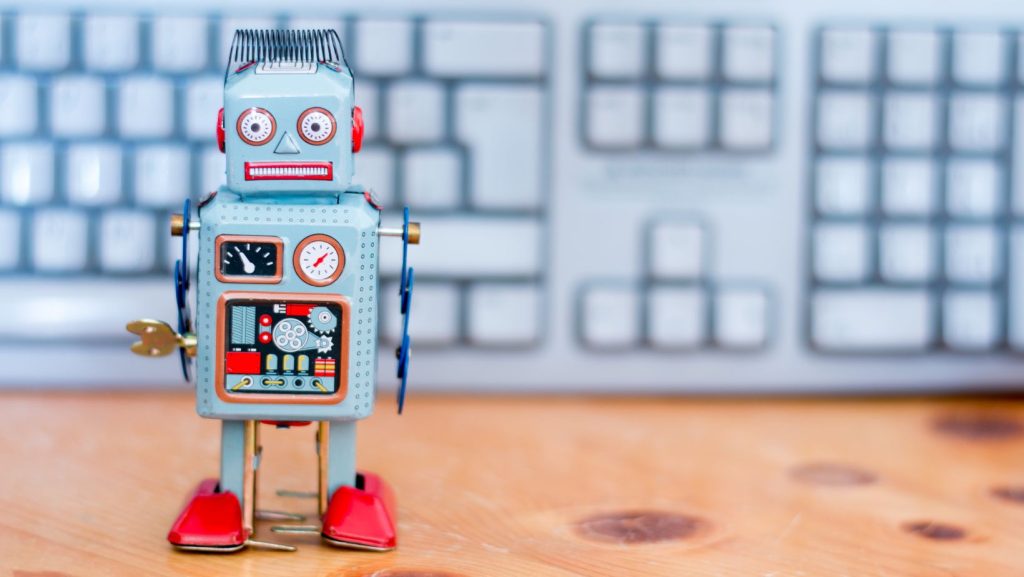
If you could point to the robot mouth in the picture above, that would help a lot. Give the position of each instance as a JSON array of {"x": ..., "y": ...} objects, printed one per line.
[{"x": 289, "y": 171}]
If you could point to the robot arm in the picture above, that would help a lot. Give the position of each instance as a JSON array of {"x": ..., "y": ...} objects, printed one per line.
[{"x": 157, "y": 338}]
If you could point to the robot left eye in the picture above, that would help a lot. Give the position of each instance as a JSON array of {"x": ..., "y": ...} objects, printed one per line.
[{"x": 317, "y": 126}]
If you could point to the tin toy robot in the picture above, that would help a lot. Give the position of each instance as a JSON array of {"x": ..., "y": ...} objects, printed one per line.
[{"x": 286, "y": 294}]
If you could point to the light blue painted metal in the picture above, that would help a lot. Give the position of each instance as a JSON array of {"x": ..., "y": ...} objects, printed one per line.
[
  {"x": 350, "y": 220},
  {"x": 232, "y": 457},
  {"x": 286, "y": 96},
  {"x": 341, "y": 459}
]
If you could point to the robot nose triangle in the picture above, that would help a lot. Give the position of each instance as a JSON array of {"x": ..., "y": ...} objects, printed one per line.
[{"x": 286, "y": 145}]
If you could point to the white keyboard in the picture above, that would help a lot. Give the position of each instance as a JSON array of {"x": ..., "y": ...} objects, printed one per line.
[{"x": 729, "y": 196}]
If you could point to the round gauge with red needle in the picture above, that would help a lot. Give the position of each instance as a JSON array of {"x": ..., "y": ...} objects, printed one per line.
[{"x": 319, "y": 260}]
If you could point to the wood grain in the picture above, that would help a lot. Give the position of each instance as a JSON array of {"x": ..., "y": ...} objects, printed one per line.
[{"x": 89, "y": 485}]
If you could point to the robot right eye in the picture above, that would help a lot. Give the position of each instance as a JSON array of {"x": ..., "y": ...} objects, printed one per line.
[{"x": 256, "y": 126}]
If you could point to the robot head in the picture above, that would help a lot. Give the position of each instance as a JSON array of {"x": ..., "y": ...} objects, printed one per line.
[{"x": 289, "y": 124}]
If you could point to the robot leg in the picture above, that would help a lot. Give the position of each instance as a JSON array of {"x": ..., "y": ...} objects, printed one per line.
[
  {"x": 359, "y": 507},
  {"x": 219, "y": 515}
]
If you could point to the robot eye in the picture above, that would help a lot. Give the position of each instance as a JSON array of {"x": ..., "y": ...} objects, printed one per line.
[
  {"x": 317, "y": 126},
  {"x": 256, "y": 126}
]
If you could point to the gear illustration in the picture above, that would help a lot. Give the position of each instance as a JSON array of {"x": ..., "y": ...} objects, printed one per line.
[
  {"x": 322, "y": 320},
  {"x": 324, "y": 344}
]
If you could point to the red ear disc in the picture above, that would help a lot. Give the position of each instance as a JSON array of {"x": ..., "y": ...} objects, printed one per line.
[
  {"x": 357, "y": 128},
  {"x": 220, "y": 129}
]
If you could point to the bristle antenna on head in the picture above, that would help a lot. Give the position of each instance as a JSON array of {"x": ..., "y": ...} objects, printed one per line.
[{"x": 302, "y": 46}]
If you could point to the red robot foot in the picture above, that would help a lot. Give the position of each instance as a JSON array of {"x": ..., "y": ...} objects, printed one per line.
[
  {"x": 362, "y": 517},
  {"x": 210, "y": 522}
]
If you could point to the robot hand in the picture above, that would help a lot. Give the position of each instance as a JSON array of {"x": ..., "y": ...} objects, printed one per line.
[{"x": 158, "y": 339}]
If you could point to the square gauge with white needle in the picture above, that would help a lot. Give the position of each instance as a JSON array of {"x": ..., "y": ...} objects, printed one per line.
[{"x": 249, "y": 259}]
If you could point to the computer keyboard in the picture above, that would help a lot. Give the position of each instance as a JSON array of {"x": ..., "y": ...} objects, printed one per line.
[{"x": 729, "y": 196}]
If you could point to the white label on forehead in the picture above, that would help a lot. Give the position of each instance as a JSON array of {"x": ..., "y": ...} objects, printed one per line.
[{"x": 284, "y": 67}]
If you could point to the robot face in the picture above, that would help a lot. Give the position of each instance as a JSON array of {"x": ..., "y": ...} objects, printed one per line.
[{"x": 288, "y": 128}]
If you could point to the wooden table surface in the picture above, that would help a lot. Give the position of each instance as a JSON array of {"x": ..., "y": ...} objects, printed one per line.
[{"x": 89, "y": 485}]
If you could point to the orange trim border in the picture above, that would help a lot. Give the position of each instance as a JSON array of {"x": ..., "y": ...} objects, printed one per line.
[
  {"x": 231, "y": 278},
  {"x": 298, "y": 265},
  {"x": 281, "y": 399}
]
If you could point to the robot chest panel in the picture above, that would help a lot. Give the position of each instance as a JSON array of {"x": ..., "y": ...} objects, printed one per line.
[{"x": 282, "y": 347}]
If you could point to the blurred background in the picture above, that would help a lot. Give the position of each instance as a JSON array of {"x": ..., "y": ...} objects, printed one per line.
[{"x": 728, "y": 196}]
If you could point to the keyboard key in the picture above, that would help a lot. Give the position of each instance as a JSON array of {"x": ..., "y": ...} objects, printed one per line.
[
  {"x": 127, "y": 241},
  {"x": 59, "y": 240},
  {"x": 416, "y": 112},
  {"x": 615, "y": 116},
  {"x": 979, "y": 58},
  {"x": 111, "y": 43},
  {"x": 158, "y": 175},
  {"x": 977, "y": 121},
  {"x": 375, "y": 169},
  {"x": 682, "y": 117},
  {"x": 683, "y": 52},
  {"x": 88, "y": 308},
  {"x": 610, "y": 317},
  {"x": 383, "y": 47},
  {"x": 204, "y": 97},
  {"x": 93, "y": 175},
  {"x": 432, "y": 178},
  {"x": 746, "y": 119},
  {"x": 872, "y": 320},
  {"x": 1016, "y": 161},
  {"x": 748, "y": 53},
  {"x": 368, "y": 99},
  {"x": 970, "y": 320},
  {"x": 78, "y": 106},
  {"x": 145, "y": 107},
  {"x": 677, "y": 317},
  {"x": 741, "y": 318},
  {"x": 618, "y": 50},
  {"x": 843, "y": 186},
  {"x": 19, "y": 97},
  {"x": 179, "y": 43},
  {"x": 908, "y": 186},
  {"x": 973, "y": 254},
  {"x": 848, "y": 55},
  {"x": 435, "y": 314},
  {"x": 502, "y": 126},
  {"x": 841, "y": 252},
  {"x": 677, "y": 250},
  {"x": 907, "y": 253},
  {"x": 915, "y": 57},
  {"x": 1015, "y": 289},
  {"x": 26, "y": 173},
  {"x": 494, "y": 49},
  {"x": 42, "y": 41},
  {"x": 911, "y": 120},
  {"x": 10, "y": 239},
  {"x": 846, "y": 120},
  {"x": 974, "y": 188},
  {"x": 211, "y": 170},
  {"x": 503, "y": 314},
  {"x": 228, "y": 26},
  {"x": 485, "y": 247}
]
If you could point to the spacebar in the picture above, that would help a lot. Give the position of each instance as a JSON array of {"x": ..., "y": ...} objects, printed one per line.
[
  {"x": 872, "y": 320},
  {"x": 56, "y": 309}
]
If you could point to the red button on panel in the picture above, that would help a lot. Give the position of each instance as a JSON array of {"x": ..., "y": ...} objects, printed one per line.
[
  {"x": 265, "y": 320},
  {"x": 298, "y": 310},
  {"x": 242, "y": 363}
]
